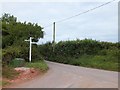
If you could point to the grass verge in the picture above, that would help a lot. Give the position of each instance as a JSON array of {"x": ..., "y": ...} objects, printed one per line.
[
  {"x": 105, "y": 62},
  {"x": 41, "y": 65},
  {"x": 97, "y": 61},
  {"x": 4, "y": 83},
  {"x": 9, "y": 72}
]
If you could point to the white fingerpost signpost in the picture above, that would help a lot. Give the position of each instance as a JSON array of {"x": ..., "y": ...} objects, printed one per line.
[{"x": 30, "y": 40}]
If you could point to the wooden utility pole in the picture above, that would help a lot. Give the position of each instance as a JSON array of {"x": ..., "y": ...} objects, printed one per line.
[
  {"x": 53, "y": 36},
  {"x": 54, "y": 32}
]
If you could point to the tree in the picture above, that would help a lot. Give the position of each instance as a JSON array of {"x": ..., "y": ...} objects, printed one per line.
[{"x": 14, "y": 33}]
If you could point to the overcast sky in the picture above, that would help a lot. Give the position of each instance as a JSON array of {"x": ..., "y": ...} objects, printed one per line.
[{"x": 100, "y": 24}]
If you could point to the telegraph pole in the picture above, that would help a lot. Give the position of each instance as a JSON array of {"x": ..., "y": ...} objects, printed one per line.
[
  {"x": 53, "y": 36},
  {"x": 54, "y": 32}
]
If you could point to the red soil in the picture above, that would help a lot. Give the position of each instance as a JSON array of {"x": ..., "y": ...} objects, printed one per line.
[{"x": 25, "y": 74}]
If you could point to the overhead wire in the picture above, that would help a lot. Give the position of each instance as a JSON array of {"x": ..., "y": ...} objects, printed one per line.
[
  {"x": 89, "y": 10},
  {"x": 85, "y": 11}
]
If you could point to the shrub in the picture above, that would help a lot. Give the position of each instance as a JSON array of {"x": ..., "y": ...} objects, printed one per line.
[
  {"x": 87, "y": 52},
  {"x": 17, "y": 62}
]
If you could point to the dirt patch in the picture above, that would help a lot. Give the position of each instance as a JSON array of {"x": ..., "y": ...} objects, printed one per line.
[{"x": 25, "y": 74}]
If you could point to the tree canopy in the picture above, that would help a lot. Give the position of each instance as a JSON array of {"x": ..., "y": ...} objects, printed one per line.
[{"x": 14, "y": 32}]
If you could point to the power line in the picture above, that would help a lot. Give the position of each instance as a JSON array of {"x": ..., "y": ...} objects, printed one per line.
[
  {"x": 82, "y": 13},
  {"x": 85, "y": 11}
]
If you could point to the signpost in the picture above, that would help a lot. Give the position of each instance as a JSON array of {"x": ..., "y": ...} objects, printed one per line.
[{"x": 30, "y": 40}]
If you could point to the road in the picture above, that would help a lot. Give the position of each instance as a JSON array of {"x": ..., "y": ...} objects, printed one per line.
[{"x": 68, "y": 76}]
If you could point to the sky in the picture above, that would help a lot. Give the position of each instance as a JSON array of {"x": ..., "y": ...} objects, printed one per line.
[{"x": 100, "y": 24}]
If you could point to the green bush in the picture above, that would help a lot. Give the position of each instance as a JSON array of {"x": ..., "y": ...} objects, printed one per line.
[
  {"x": 17, "y": 62},
  {"x": 10, "y": 53},
  {"x": 87, "y": 52},
  {"x": 6, "y": 57}
]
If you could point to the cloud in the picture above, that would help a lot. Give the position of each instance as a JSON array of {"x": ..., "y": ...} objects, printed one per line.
[
  {"x": 100, "y": 24},
  {"x": 57, "y": 0}
]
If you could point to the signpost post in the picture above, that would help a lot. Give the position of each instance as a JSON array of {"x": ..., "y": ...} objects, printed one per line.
[{"x": 30, "y": 40}]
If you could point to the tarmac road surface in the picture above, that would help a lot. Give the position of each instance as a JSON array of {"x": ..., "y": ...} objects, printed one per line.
[{"x": 68, "y": 76}]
